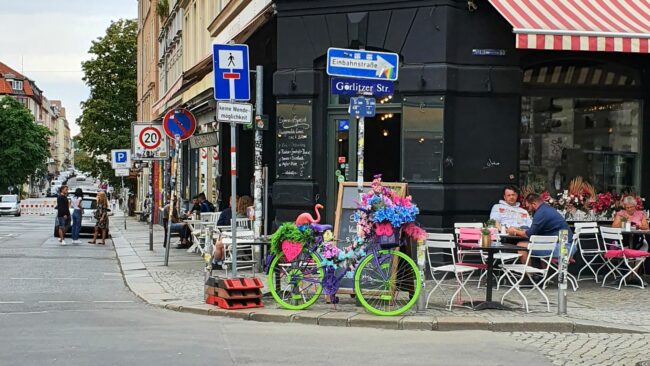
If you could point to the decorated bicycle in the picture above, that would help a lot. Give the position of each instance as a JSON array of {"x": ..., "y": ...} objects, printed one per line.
[{"x": 307, "y": 262}]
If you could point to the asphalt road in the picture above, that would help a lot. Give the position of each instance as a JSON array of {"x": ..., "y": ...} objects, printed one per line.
[{"x": 68, "y": 305}]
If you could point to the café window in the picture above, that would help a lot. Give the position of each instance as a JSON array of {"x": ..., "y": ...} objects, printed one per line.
[
  {"x": 422, "y": 138},
  {"x": 595, "y": 138}
]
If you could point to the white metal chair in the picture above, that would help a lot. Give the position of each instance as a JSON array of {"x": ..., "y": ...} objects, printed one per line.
[
  {"x": 620, "y": 259},
  {"x": 516, "y": 273},
  {"x": 443, "y": 245},
  {"x": 591, "y": 249}
]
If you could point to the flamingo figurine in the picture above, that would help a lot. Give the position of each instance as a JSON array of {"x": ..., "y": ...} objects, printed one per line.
[{"x": 306, "y": 218}]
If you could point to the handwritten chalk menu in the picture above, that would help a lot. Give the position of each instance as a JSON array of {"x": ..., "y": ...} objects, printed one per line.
[
  {"x": 294, "y": 142},
  {"x": 345, "y": 228}
]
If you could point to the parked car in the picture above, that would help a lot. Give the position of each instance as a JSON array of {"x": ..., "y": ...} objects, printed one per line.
[
  {"x": 10, "y": 204},
  {"x": 89, "y": 204}
]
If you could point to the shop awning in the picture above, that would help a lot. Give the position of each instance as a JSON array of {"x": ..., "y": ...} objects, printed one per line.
[{"x": 579, "y": 25}]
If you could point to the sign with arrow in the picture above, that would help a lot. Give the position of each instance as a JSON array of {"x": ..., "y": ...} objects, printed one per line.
[
  {"x": 362, "y": 64},
  {"x": 179, "y": 122}
]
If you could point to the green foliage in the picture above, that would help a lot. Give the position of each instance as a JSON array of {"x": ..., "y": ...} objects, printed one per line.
[
  {"x": 25, "y": 146},
  {"x": 162, "y": 8},
  {"x": 289, "y": 231},
  {"x": 490, "y": 223},
  {"x": 105, "y": 122}
]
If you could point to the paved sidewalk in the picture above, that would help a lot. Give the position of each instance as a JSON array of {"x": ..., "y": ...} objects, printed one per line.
[{"x": 179, "y": 286}]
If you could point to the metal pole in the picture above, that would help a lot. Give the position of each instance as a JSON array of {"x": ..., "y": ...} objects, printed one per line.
[
  {"x": 233, "y": 195},
  {"x": 172, "y": 190},
  {"x": 150, "y": 206},
  {"x": 122, "y": 178},
  {"x": 562, "y": 266},
  {"x": 360, "y": 144},
  {"x": 265, "y": 172},
  {"x": 259, "y": 106}
]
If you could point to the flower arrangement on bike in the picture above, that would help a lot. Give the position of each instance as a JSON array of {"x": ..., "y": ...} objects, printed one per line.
[{"x": 307, "y": 260}]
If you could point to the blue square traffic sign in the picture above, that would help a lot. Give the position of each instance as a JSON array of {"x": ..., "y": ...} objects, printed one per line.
[
  {"x": 231, "y": 72},
  {"x": 121, "y": 158}
]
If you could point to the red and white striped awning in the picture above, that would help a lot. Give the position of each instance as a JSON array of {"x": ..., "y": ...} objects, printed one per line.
[{"x": 579, "y": 25}]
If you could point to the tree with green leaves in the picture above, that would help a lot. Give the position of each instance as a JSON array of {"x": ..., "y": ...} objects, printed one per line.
[
  {"x": 25, "y": 145},
  {"x": 105, "y": 121}
]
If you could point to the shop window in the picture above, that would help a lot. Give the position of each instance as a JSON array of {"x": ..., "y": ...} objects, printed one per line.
[
  {"x": 422, "y": 138},
  {"x": 595, "y": 138}
]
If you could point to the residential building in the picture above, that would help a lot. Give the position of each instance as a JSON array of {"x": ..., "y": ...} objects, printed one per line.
[
  {"x": 63, "y": 145},
  {"x": 147, "y": 78}
]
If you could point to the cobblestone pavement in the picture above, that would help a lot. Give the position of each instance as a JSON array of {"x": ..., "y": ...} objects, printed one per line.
[
  {"x": 185, "y": 276},
  {"x": 589, "y": 348}
]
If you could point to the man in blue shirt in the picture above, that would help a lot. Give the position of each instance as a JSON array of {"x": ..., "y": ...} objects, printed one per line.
[{"x": 546, "y": 221}]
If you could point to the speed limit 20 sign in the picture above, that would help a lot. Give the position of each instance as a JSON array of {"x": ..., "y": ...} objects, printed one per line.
[{"x": 148, "y": 141}]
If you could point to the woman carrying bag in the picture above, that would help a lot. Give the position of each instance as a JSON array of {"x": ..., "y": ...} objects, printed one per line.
[{"x": 101, "y": 217}]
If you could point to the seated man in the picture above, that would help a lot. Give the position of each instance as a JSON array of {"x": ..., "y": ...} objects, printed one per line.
[
  {"x": 507, "y": 213},
  {"x": 206, "y": 206},
  {"x": 178, "y": 226},
  {"x": 196, "y": 207},
  {"x": 546, "y": 221}
]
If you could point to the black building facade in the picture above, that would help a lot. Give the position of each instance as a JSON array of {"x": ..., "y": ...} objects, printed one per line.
[{"x": 470, "y": 113}]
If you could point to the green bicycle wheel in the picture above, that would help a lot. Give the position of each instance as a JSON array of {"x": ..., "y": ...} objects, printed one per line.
[
  {"x": 296, "y": 284},
  {"x": 388, "y": 285}
]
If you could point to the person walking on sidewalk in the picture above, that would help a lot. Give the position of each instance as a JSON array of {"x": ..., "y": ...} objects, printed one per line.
[
  {"x": 77, "y": 213},
  {"x": 62, "y": 213},
  {"x": 101, "y": 217}
]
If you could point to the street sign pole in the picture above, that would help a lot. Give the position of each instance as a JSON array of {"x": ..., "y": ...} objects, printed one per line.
[
  {"x": 257, "y": 193},
  {"x": 562, "y": 266},
  {"x": 360, "y": 145},
  {"x": 233, "y": 196},
  {"x": 150, "y": 206},
  {"x": 172, "y": 191},
  {"x": 123, "y": 201}
]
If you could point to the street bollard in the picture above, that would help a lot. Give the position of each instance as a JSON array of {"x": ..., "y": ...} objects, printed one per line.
[
  {"x": 421, "y": 302},
  {"x": 562, "y": 267}
]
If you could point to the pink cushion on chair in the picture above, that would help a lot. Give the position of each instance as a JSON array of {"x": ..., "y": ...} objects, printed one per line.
[
  {"x": 632, "y": 253},
  {"x": 614, "y": 254},
  {"x": 475, "y": 265},
  {"x": 471, "y": 235},
  {"x": 469, "y": 245}
]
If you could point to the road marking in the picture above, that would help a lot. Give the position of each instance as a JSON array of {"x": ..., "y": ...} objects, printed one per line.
[
  {"x": 25, "y": 312},
  {"x": 56, "y": 301},
  {"x": 68, "y": 278},
  {"x": 12, "y": 302},
  {"x": 113, "y": 301},
  {"x": 27, "y": 278}
]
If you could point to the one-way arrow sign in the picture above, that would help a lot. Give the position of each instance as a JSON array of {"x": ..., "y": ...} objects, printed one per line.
[{"x": 362, "y": 64}]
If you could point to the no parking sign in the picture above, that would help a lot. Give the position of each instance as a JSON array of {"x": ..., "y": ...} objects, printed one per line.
[{"x": 179, "y": 122}]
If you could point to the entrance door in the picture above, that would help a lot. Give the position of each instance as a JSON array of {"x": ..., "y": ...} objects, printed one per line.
[{"x": 382, "y": 151}]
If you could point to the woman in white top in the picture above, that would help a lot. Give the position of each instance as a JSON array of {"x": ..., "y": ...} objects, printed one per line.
[{"x": 76, "y": 215}]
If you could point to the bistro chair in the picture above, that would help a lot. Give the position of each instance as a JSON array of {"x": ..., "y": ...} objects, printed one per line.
[
  {"x": 468, "y": 238},
  {"x": 516, "y": 273},
  {"x": 620, "y": 260},
  {"x": 591, "y": 249},
  {"x": 441, "y": 246}
]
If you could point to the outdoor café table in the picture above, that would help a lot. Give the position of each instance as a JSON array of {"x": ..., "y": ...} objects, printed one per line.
[
  {"x": 495, "y": 247},
  {"x": 510, "y": 239}
]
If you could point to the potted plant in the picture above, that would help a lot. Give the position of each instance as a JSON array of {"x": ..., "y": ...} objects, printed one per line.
[{"x": 486, "y": 237}]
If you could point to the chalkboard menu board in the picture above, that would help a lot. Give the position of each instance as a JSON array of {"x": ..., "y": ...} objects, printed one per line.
[
  {"x": 345, "y": 228},
  {"x": 294, "y": 142}
]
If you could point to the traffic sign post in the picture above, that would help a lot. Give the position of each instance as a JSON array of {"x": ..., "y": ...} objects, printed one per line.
[
  {"x": 121, "y": 159},
  {"x": 231, "y": 72},
  {"x": 362, "y": 107},
  {"x": 122, "y": 172},
  {"x": 148, "y": 141},
  {"x": 179, "y": 122}
]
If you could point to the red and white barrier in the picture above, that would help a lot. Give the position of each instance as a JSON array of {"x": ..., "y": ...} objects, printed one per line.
[{"x": 38, "y": 206}]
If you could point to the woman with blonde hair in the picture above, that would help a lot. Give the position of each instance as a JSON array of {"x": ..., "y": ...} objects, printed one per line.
[
  {"x": 242, "y": 203},
  {"x": 101, "y": 218}
]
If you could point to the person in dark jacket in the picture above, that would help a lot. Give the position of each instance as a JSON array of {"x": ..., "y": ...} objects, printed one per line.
[
  {"x": 63, "y": 217},
  {"x": 546, "y": 221}
]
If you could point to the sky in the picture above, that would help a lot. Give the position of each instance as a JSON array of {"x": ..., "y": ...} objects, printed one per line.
[{"x": 46, "y": 40}]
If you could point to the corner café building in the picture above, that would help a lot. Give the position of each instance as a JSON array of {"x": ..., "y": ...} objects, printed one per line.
[{"x": 489, "y": 93}]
